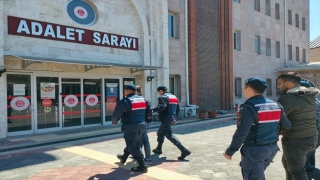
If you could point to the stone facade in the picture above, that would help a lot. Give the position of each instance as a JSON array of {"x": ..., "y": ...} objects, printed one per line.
[
  {"x": 251, "y": 23},
  {"x": 315, "y": 55},
  {"x": 143, "y": 19}
]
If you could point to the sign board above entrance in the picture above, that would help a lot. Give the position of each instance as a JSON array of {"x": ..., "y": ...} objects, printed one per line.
[{"x": 39, "y": 29}]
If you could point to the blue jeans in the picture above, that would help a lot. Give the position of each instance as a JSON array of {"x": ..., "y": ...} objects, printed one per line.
[
  {"x": 296, "y": 151},
  {"x": 255, "y": 159},
  {"x": 312, "y": 171},
  {"x": 145, "y": 142}
]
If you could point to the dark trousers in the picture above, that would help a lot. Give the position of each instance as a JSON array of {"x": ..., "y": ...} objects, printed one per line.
[
  {"x": 296, "y": 151},
  {"x": 165, "y": 131},
  {"x": 255, "y": 159},
  {"x": 132, "y": 135},
  {"x": 312, "y": 171}
]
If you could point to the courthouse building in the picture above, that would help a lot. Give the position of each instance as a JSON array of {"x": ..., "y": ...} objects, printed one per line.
[{"x": 64, "y": 62}]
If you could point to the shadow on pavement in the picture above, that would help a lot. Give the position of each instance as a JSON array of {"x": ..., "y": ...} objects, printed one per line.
[
  {"x": 202, "y": 126},
  {"x": 24, "y": 160}
]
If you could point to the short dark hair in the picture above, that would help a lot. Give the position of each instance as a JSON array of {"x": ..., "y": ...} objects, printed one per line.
[
  {"x": 256, "y": 89},
  {"x": 291, "y": 77}
]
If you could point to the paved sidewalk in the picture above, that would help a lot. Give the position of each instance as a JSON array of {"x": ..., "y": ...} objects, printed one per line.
[{"x": 28, "y": 141}]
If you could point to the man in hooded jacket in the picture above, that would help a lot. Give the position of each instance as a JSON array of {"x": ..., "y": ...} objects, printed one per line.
[{"x": 299, "y": 104}]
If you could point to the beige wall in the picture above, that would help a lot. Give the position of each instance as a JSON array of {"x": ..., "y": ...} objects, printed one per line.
[
  {"x": 252, "y": 23},
  {"x": 177, "y": 46},
  {"x": 3, "y": 92},
  {"x": 315, "y": 55}
]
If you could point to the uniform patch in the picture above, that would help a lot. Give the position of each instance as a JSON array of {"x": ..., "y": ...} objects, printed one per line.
[
  {"x": 138, "y": 103},
  {"x": 173, "y": 100},
  {"x": 268, "y": 112}
]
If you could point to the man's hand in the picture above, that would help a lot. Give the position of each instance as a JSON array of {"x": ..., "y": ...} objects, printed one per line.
[
  {"x": 226, "y": 156},
  {"x": 174, "y": 122},
  {"x": 115, "y": 124}
]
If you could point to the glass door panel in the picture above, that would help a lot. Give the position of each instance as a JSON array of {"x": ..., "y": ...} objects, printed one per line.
[
  {"x": 71, "y": 102},
  {"x": 47, "y": 102},
  {"x": 92, "y": 101},
  {"x": 112, "y": 92},
  {"x": 19, "y": 102}
]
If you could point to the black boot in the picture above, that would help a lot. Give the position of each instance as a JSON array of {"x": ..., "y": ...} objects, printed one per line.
[
  {"x": 123, "y": 158},
  {"x": 184, "y": 152},
  {"x": 158, "y": 149},
  {"x": 141, "y": 168}
]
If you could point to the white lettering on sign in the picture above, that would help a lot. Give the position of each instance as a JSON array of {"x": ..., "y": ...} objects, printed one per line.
[
  {"x": 105, "y": 39},
  {"x": 80, "y": 32},
  {"x": 36, "y": 28},
  {"x": 123, "y": 42},
  {"x": 70, "y": 33},
  {"x": 129, "y": 41},
  {"x": 96, "y": 37},
  {"x": 49, "y": 31},
  {"x": 39, "y": 29},
  {"x": 23, "y": 27},
  {"x": 59, "y": 33},
  {"x": 114, "y": 40}
]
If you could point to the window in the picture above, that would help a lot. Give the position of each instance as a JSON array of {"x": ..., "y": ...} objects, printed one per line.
[
  {"x": 278, "y": 49},
  {"x": 171, "y": 26},
  {"x": 237, "y": 40},
  {"x": 269, "y": 89},
  {"x": 238, "y": 87},
  {"x": 297, "y": 20},
  {"x": 268, "y": 47},
  {"x": 175, "y": 85},
  {"x": 289, "y": 17},
  {"x": 290, "y": 52},
  {"x": 277, "y": 11},
  {"x": 257, "y": 45},
  {"x": 268, "y": 7},
  {"x": 297, "y": 54},
  {"x": 303, "y": 23},
  {"x": 304, "y": 55},
  {"x": 238, "y": 1},
  {"x": 257, "y": 5}
]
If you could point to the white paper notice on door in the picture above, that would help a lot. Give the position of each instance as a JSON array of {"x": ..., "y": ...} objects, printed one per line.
[
  {"x": 19, "y": 89},
  {"x": 47, "y": 90}
]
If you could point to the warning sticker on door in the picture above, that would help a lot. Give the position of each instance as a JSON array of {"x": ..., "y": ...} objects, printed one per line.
[
  {"x": 71, "y": 100},
  {"x": 19, "y": 103}
]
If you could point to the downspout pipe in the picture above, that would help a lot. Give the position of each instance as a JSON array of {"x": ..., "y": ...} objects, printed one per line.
[
  {"x": 187, "y": 50},
  {"x": 285, "y": 33}
]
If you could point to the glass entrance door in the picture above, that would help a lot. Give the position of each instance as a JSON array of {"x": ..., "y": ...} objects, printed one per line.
[
  {"x": 112, "y": 93},
  {"x": 92, "y": 101},
  {"x": 71, "y": 102},
  {"x": 19, "y": 107},
  {"x": 47, "y": 102}
]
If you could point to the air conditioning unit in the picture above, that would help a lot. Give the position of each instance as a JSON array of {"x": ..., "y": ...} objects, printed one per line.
[{"x": 190, "y": 111}]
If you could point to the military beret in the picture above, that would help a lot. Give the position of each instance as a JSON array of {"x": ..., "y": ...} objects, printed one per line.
[
  {"x": 256, "y": 82},
  {"x": 130, "y": 86},
  {"x": 305, "y": 84},
  {"x": 163, "y": 88}
]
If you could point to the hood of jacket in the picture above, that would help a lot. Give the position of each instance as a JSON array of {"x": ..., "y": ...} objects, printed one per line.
[{"x": 308, "y": 93}]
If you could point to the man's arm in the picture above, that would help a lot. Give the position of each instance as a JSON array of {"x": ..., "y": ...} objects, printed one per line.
[
  {"x": 161, "y": 105},
  {"x": 243, "y": 129},
  {"x": 287, "y": 104},
  {"x": 148, "y": 111},
  {"x": 118, "y": 111},
  {"x": 284, "y": 121}
]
